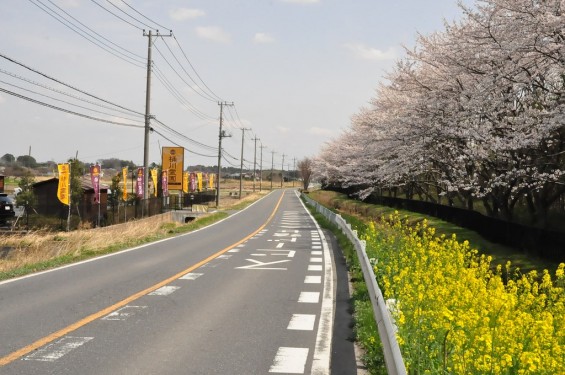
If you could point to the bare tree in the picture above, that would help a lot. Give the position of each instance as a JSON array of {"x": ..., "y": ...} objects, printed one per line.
[{"x": 305, "y": 168}]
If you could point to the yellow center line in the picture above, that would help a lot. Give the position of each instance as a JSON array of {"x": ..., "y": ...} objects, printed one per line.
[{"x": 89, "y": 319}]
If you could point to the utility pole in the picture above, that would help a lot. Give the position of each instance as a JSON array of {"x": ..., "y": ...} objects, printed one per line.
[
  {"x": 241, "y": 166},
  {"x": 221, "y": 135},
  {"x": 282, "y": 170},
  {"x": 294, "y": 171},
  {"x": 261, "y": 168},
  {"x": 255, "y": 163},
  {"x": 272, "y": 167},
  {"x": 148, "y": 116}
]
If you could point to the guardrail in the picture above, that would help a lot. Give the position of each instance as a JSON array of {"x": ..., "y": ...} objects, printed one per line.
[{"x": 387, "y": 331}]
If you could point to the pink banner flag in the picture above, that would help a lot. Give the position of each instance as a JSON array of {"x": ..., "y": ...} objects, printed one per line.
[{"x": 139, "y": 183}]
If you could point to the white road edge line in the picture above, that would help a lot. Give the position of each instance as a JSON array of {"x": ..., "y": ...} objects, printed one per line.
[{"x": 323, "y": 348}]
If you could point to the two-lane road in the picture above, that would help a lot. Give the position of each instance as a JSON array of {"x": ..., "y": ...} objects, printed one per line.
[{"x": 253, "y": 294}]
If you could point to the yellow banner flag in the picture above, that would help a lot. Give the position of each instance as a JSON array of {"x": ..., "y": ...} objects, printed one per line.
[
  {"x": 125, "y": 178},
  {"x": 211, "y": 183},
  {"x": 185, "y": 182},
  {"x": 199, "y": 177},
  {"x": 154, "y": 178},
  {"x": 63, "y": 192}
]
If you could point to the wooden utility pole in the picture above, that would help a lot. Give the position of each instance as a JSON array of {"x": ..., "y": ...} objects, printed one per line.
[
  {"x": 150, "y": 37},
  {"x": 241, "y": 165},
  {"x": 282, "y": 170},
  {"x": 221, "y": 135},
  {"x": 255, "y": 162},
  {"x": 261, "y": 168}
]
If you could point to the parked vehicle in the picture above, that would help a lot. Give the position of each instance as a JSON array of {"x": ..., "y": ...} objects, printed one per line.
[{"x": 6, "y": 209}]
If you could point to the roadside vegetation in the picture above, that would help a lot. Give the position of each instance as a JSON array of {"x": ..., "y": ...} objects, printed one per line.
[{"x": 457, "y": 312}]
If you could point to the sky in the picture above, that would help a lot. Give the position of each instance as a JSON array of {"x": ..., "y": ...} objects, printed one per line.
[{"x": 295, "y": 71}]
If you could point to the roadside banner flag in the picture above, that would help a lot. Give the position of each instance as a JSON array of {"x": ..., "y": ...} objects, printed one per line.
[
  {"x": 192, "y": 182},
  {"x": 211, "y": 183},
  {"x": 95, "y": 179},
  {"x": 199, "y": 177},
  {"x": 165, "y": 182},
  {"x": 139, "y": 183},
  {"x": 125, "y": 178},
  {"x": 154, "y": 179},
  {"x": 63, "y": 192},
  {"x": 185, "y": 182}
]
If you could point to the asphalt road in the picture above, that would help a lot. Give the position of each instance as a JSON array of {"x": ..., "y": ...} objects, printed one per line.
[{"x": 253, "y": 294}]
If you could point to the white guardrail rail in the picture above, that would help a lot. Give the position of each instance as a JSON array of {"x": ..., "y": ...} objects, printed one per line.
[{"x": 387, "y": 331}]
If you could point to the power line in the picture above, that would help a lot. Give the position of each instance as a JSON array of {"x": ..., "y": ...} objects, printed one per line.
[
  {"x": 66, "y": 110},
  {"x": 178, "y": 74},
  {"x": 208, "y": 97},
  {"x": 194, "y": 70},
  {"x": 87, "y": 36},
  {"x": 61, "y": 92},
  {"x": 67, "y": 85},
  {"x": 94, "y": 32},
  {"x": 66, "y": 102},
  {"x": 178, "y": 95},
  {"x": 117, "y": 16},
  {"x": 129, "y": 15},
  {"x": 132, "y": 8},
  {"x": 195, "y": 142},
  {"x": 188, "y": 149}
]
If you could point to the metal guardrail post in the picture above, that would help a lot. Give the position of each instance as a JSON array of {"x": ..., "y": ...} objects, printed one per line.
[{"x": 387, "y": 332}]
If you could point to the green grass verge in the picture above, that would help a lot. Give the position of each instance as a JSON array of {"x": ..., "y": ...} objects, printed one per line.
[
  {"x": 357, "y": 213},
  {"x": 168, "y": 230}
]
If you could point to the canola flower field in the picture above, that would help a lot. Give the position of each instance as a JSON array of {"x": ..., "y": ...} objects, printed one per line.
[{"x": 456, "y": 314}]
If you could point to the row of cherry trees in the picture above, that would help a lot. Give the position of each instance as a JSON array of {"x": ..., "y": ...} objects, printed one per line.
[{"x": 475, "y": 112}]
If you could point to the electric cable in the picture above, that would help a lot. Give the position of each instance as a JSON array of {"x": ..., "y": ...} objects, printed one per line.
[
  {"x": 90, "y": 38},
  {"x": 132, "y": 8},
  {"x": 66, "y": 110},
  {"x": 67, "y": 85}
]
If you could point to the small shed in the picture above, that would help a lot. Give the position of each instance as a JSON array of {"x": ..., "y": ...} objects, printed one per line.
[{"x": 48, "y": 204}]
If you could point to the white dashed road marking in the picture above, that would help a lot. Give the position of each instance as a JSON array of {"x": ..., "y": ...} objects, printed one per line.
[
  {"x": 290, "y": 361},
  {"x": 164, "y": 291},
  {"x": 309, "y": 297},
  {"x": 313, "y": 280},
  {"x": 56, "y": 350},
  {"x": 302, "y": 322},
  {"x": 191, "y": 276}
]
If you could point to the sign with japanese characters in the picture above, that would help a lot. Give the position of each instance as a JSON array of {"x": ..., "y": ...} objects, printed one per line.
[{"x": 173, "y": 164}]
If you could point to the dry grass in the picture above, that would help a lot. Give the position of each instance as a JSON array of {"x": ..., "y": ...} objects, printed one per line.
[
  {"x": 29, "y": 252},
  {"x": 41, "y": 246}
]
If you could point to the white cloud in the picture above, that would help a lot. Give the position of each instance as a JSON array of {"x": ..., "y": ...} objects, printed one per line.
[
  {"x": 301, "y": 1},
  {"x": 183, "y": 14},
  {"x": 262, "y": 38},
  {"x": 320, "y": 131},
  {"x": 368, "y": 53},
  {"x": 213, "y": 33},
  {"x": 283, "y": 129}
]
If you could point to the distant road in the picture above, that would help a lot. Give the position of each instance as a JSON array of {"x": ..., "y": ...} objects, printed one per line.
[{"x": 253, "y": 294}]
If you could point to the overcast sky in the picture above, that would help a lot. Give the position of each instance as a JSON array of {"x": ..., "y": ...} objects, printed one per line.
[{"x": 296, "y": 71}]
